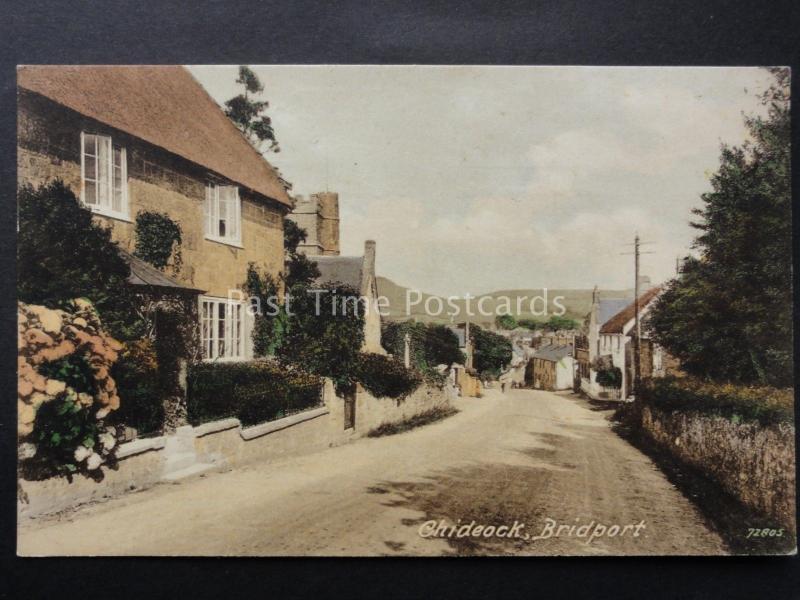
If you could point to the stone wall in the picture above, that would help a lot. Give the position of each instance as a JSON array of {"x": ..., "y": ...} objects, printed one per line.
[
  {"x": 225, "y": 444},
  {"x": 49, "y": 148},
  {"x": 753, "y": 462}
]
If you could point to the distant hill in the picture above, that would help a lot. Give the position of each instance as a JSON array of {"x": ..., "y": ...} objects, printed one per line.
[{"x": 576, "y": 302}]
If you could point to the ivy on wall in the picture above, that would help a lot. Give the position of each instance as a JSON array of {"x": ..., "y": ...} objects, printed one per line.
[{"x": 158, "y": 240}]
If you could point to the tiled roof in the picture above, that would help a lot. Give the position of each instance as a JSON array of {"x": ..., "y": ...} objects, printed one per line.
[
  {"x": 162, "y": 105},
  {"x": 339, "y": 269},
  {"x": 616, "y": 324},
  {"x": 553, "y": 353}
]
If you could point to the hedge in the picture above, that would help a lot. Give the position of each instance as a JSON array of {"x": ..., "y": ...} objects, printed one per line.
[
  {"x": 254, "y": 392},
  {"x": 766, "y": 405}
]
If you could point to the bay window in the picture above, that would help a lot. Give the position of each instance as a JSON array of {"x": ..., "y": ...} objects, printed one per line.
[{"x": 104, "y": 176}]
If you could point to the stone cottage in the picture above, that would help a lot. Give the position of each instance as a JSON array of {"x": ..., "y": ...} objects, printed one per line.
[
  {"x": 127, "y": 140},
  {"x": 551, "y": 368}
]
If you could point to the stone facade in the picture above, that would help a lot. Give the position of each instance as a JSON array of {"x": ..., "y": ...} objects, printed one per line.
[
  {"x": 319, "y": 216},
  {"x": 49, "y": 148}
]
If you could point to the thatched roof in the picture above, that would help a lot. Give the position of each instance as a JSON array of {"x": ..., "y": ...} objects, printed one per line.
[{"x": 162, "y": 105}]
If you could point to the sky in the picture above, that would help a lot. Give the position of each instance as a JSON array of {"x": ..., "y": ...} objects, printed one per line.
[{"x": 475, "y": 179}]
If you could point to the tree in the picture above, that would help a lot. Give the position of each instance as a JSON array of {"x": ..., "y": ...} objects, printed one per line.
[
  {"x": 248, "y": 113},
  {"x": 300, "y": 270},
  {"x": 430, "y": 345},
  {"x": 557, "y": 323},
  {"x": 63, "y": 254},
  {"x": 728, "y": 315},
  {"x": 530, "y": 324},
  {"x": 505, "y": 322},
  {"x": 491, "y": 352},
  {"x": 325, "y": 333}
]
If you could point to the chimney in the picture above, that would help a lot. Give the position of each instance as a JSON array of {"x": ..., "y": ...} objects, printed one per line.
[{"x": 369, "y": 257}]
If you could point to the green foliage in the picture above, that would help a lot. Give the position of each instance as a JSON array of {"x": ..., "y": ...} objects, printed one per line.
[
  {"x": 430, "y": 345},
  {"x": 248, "y": 114},
  {"x": 610, "y": 377},
  {"x": 158, "y": 239},
  {"x": 136, "y": 374},
  {"x": 505, "y": 322},
  {"x": 73, "y": 370},
  {"x": 531, "y": 324},
  {"x": 386, "y": 377},
  {"x": 491, "y": 352},
  {"x": 557, "y": 323},
  {"x": 300, "y": 270},
  {"x": 728, "y": 315},
  {"x": 63, "y": 254},
  {"x": 765, "y": 405},
  {"x": 270, "y": 318},
  {"x": 325, "y": 332},
  {"x": 254, "y": 392}
]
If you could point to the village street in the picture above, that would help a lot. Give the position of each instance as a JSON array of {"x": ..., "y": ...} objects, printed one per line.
[{"x": 523, "y": 456}]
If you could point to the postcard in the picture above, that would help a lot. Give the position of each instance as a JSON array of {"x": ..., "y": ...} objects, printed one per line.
[{"x": 276, "y": 310}]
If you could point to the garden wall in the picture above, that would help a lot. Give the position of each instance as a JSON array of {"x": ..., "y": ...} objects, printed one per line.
[
  {"x": 225, "y": 444},
  {"x": 752, "y": 461}
]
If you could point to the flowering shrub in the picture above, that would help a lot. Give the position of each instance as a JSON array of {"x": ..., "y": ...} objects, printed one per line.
[{"x": 65, "y": 390}]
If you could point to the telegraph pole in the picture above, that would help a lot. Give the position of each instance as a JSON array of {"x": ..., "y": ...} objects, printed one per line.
[{"x": 637, "y": 342}]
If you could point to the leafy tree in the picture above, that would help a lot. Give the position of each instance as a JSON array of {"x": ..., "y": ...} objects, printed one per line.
[
  {"x": 63, "y": 254},
  {"x": 491, "y": 352},
  {"x": 300, "y": 270},
  {"x": 556, "y": 323},
  {"x": 430, "y": 344},
  {"x": 325, "y": 332},
  {"x": 530, "y": 324},
  {"x": 505, "y": 322},
  {"x": 158, "y": 239},
  {"x": 728, "y": 315},
  {"x": 268, "y": 328},
  {"x": 248, "y": 113}
]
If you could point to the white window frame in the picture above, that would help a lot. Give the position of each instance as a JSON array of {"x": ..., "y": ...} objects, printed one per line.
[
  {"x": 106, "y": 208},
  {"x": 216, "y": 205},
  {"x": 234, "y": 344}
]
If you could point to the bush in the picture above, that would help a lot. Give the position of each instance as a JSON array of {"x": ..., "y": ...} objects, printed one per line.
[
  {"x": 383, "y": 376},
  {"x": 254, "y": 392},
  {"x": 63, "y": 254},
  {"x": 765, "y": 405},
  {"x": 137, "y": 376},
  {"x": 610, "y": 377},
  {"x": 325, "y": 342},
  {"x": 505, "y": 322}
]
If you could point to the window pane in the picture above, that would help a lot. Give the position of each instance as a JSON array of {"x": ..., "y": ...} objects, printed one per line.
[
  {"x": 90, "y": 167},
  {"x": 222, "y": 228},
  {"x": 103, "y": 176},
  {"x": 221, "y": 329},
  {"x": 90, "y": 192},
  {"x": 90, "y": 144}
]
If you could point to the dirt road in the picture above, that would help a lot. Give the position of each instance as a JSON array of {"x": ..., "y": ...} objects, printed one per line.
[{"x": 530, "y": 458}]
